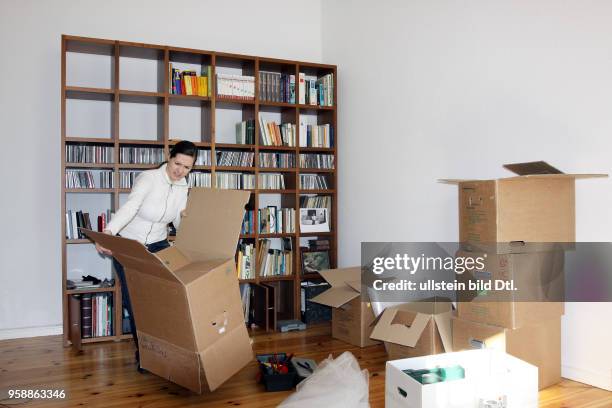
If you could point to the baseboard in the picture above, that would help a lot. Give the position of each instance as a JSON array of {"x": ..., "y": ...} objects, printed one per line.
[
  {"x": 596, "y": 379},
  {"x": 23, "y": 332}
]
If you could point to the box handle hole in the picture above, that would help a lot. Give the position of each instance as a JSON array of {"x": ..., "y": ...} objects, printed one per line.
[{"x": 402, "y": 392}]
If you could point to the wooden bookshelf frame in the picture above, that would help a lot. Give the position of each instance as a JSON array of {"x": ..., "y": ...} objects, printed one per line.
[{"x": 115, "y": 95}]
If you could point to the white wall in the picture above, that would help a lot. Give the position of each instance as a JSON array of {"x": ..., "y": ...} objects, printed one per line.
[
  {"x": 434, "y": 89},
  {"x": 30, "y": 31}
]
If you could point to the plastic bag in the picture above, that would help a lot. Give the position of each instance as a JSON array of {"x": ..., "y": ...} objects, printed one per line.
[{"x": 335, "y": 383}]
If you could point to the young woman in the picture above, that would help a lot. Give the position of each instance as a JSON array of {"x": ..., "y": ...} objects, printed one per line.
[{"x": 158, "y": 198}]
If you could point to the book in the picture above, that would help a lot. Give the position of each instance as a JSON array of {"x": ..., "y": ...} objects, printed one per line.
[{"x": 302, "y": 88}]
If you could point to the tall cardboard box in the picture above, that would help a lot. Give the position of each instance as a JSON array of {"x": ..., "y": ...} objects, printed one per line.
[
  {"x": 537, "y": 205},
  {"x": 537, "y": 275},
  {"x": 351, "y": 318},
  {"x": 538, "y": 344},
  {"x": 415, "y": 329},
  {"x": 186, "y": 299}
]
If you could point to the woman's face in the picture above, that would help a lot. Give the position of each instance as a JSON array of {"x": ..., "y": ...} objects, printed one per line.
[{"x": 179, "y": 166}]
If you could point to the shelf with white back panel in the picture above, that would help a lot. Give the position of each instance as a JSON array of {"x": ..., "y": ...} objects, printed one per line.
[{"x": 125, "y": 104}]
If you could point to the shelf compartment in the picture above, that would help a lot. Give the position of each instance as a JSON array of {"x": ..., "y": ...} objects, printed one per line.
[
  {"x": 141, "y": 117},
  {"x": 90, "y": 62},
  {"x": 141, "y": 67}
]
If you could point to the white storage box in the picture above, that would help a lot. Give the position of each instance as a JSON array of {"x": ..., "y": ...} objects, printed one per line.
[{"x": 490, "y": 375}]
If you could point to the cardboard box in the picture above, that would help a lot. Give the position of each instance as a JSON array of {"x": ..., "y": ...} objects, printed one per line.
[
  {"x": 538, "y": 344},
  {"x": 538, "y": 276},
  {"x": 537, "y": 205},
  {"x": 489, "y": 374},
  {"x": 351, "y": 318},
  {"x": 185, "y": 298},
  {"x": 415, "y": 329}
]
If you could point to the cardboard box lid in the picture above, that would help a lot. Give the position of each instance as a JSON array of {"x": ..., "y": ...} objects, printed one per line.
[
  {"x": 212, "y": 226},
  {"x": 345, "y": 286},
  {"x": 404, "y": 324},
  {"x": 133, "y": 255},
  {"x": 538, "y": 169}
]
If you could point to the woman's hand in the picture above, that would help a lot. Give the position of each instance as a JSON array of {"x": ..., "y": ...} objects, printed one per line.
[
  {"x": 183, "y": 213},
  {"x": 103, "y": 251}
]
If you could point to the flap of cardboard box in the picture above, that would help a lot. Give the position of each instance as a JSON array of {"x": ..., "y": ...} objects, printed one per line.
[
  {"x": 399, "y": 326},
  {"x": 404, "y": 324},
  {"x": 537, "y": 169},
  {"x": 226, "y": 357},
  {"x": 212, "y": 225},
  {"x": 132, "y": 255},
  {"x": 341, "y": 276},
  {"x": 336, "y": 296}
]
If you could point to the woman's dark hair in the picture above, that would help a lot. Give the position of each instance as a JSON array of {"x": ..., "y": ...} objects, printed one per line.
[{"x": 185, "y": 147}]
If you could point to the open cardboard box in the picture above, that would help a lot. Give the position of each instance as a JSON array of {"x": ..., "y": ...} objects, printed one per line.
[
  {"x": 415, "y": 329},
  {"x": 351, "y": 318},
  {"x": 186, "y": 299},
  {"x": 538, "y": 344},
  {"x": 537, "y": 205}
]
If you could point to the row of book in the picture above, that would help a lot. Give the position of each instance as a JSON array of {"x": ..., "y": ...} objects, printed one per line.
[
  {"x": 273, "y": 220},
  {"x": 313, "y": 182},
  {"x": 277, "y": 160},
  {"x": 240, "y": 87},
  {"x": 127, "y": 177},
  {"x": 96, "y": 315},
  {"x": 274, "y": 262},
  {"x": 272, "y": 181},
  {"x": 89, "y": 154},
  {"x": 235, "y": 181},
  {"x": 318, "y": 91},
  {"x": 188, "y": 82},
  {"x": 198, "y": 179},
  {"x": 245, "y": 132},
  {"x": 276, "y": 87},
  {"x": 85, "y": 179},
  {"x": 248, "y": 222},
  {"x": 204, "y": 158},
  {"x": 244, "y": 261},
  {"x": 235, "y": 158},
  {"x": 273, "y": 134},
  {"x": 317, "y": 161},
  {"x": 317, "y": 201},
  {"x": 316, "y": 135},
  {"x": 76, "y": 219},
  {"x": 141, "y": 155}
]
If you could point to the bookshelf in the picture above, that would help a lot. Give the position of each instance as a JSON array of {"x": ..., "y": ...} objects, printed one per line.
[{"x": 118, "y": 95}]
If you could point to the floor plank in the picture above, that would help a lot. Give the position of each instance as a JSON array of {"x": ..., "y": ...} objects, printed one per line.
[{"x": 104, "y": 375}]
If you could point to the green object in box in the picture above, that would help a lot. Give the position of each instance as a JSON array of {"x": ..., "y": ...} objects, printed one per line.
[{"x": 438, "y": 374}]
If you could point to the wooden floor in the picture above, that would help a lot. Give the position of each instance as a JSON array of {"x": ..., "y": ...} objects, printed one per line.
[{"x": 104, "y": 375}]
